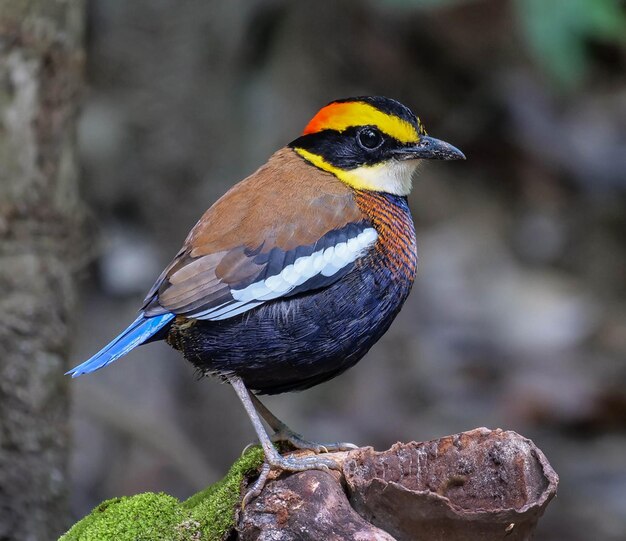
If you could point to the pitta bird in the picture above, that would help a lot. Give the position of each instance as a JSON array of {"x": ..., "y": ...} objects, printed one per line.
[{"x": 291, "y": 277}]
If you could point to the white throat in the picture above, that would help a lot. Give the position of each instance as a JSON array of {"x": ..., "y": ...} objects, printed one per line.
[{"x": 393, "y": 176}]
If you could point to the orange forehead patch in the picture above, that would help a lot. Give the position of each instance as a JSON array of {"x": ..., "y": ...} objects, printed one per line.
[{"x": 341, "y": 116}]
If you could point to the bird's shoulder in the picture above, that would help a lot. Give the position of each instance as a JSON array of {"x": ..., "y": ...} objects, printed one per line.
[{"x": 286, "y": 203}]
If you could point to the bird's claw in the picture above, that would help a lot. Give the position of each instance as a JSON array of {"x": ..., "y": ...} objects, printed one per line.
[
  {"x": 256, "y": 489},
  {"x": 247, "y": 448},
  {"x": 346, "y": 446}
]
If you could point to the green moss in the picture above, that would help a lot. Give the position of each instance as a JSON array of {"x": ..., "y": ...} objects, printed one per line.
[
  {"x": 146, "y": 516},
  {"x": 214, "y": 507},
  {"x": 208, "y": 515}
]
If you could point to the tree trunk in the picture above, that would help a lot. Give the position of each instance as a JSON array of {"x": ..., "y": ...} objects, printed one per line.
[{"x": 41, "y": 60}]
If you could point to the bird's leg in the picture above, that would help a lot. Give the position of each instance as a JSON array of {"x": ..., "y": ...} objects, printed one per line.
[
  {"x": 283, "y": 433},
  {"x": 272, "y": 458}
]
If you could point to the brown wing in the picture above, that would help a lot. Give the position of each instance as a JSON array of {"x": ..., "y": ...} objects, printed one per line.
[{"x": 285, "y": 215}]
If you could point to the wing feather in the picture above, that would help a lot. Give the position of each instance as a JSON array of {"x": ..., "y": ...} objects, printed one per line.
[{"x": 262, "y": 240}]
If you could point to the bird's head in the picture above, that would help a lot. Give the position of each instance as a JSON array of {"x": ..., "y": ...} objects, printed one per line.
[{"x": 370, "y": 143}]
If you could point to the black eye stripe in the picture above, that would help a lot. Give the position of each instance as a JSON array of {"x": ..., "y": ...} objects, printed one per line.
[{"x": 343, "y": 150}]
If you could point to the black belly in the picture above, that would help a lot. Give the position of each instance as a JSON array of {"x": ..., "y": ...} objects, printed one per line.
[{"x": 295, "y": 343}]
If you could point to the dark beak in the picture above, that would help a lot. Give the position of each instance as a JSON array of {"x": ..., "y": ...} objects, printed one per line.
[{"x": 429, "y": 148}]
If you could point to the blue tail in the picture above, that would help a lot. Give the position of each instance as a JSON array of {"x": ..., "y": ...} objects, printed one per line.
[{"x": 136, "y": 334}]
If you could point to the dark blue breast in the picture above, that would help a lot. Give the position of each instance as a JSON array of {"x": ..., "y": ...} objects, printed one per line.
[{"x": 300, "y": 341}]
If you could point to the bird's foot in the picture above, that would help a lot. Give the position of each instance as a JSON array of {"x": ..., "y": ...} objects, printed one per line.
[
  {"x": 274, "y": 461},
  {"x": 285, "y": 434},
  {"x": 301, "y": 463}
]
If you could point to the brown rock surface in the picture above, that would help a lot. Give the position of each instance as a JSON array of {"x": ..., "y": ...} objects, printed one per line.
[{"x": 482, "y": 484}]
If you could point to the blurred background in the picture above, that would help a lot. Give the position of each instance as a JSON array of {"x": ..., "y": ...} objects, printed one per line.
[{"x": 518, "y": 316}]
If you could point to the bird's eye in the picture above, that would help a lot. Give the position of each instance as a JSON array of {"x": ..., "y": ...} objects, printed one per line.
[{"x": 370, "y": 138}]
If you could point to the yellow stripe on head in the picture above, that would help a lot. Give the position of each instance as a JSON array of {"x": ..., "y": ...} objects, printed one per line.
[{"x": 340, "y": 116}]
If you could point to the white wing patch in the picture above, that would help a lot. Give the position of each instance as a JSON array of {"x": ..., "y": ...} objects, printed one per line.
[{"x": 325, "y": 262}]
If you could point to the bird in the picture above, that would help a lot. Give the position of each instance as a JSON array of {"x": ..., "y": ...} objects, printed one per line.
[{"x": 290, "y": 277}]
